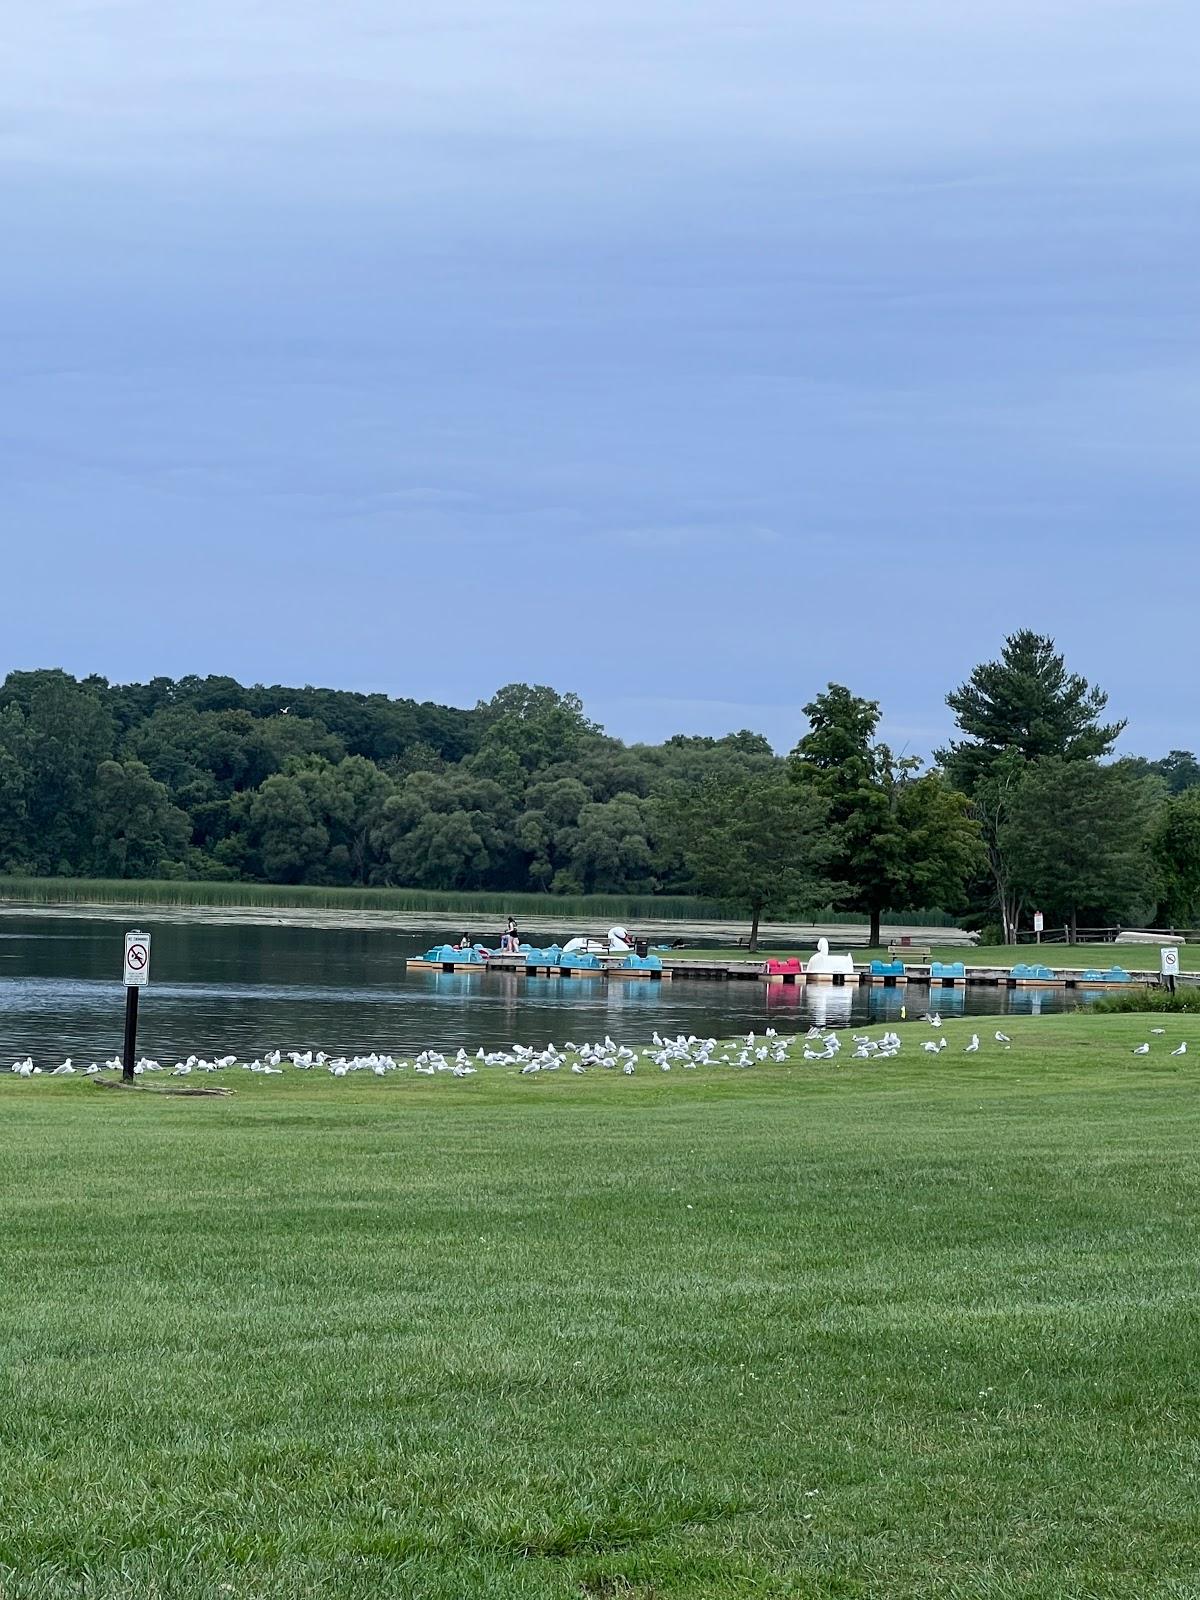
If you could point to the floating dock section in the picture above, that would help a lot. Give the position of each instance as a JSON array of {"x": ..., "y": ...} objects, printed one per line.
[
  {"x": 448, "y": 958},
  {"x": 948, "y": 974},
  {"x": 1035, "y": 975},
  {"x": 891, "y": 974},
  {"x": 787, "y": 972},
  {"x": 1110, "y": 978},
  {"x": 551, "y": 962}
]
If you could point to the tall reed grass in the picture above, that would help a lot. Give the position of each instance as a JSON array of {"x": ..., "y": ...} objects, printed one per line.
[
  {"x": 472, "y": 904},
  {"x": 168, "y": 892}
]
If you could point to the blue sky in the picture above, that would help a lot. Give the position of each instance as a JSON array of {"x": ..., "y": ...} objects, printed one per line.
[{"x": 686, "y": 355}]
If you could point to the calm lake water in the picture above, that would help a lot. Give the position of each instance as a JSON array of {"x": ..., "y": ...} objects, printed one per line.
[{"x": 247, "y": 987}]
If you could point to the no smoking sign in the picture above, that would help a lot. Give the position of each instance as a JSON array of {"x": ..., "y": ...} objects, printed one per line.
[{"x": 137, "y": 960}]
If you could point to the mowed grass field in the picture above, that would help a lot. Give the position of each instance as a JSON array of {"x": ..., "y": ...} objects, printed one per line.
[{"x": 923, "y": 1327}]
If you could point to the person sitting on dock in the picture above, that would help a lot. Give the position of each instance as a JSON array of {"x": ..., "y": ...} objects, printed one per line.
[{"x": 464, "y": 943}]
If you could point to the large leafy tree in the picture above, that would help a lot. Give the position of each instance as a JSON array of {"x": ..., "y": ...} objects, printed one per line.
[
  {"x": 759, "y": 844},
  {"x": 576, "y": 844},
  {"x": 611, "y": 849},
  {"x": 314, "y": 823},
  {"x": 207, "y": 757},
  {"x": 1023, "y": 708},
  {"x": 139, "y": 833},
  {"x": 14, "y": 809},
  {"x": 451, "y": 830},
  {"x": 55, "y": 732},
  {"x": 1175, "y": 848},
  {"x": 1078, "y": 840},
  {"x": 899, "y": 839},
  {"x": 1178, "y": 769},
  {"x": 533, "y": 727}
]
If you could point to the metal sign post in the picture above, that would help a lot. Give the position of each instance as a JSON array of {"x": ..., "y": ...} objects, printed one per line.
[{"x": 137, "y": 976}]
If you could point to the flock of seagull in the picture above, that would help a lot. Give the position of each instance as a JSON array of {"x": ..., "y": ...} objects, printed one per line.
[{"x": 686, "y": 1051}]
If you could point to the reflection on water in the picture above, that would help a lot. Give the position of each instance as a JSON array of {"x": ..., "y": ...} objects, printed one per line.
[{"x": 248, "y": 988}]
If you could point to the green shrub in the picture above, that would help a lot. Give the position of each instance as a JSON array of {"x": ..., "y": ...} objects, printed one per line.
[{"x": 1145, "y": 998}]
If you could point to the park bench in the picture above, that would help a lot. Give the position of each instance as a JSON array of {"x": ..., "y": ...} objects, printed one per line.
[{"x": 911, "y": 952}]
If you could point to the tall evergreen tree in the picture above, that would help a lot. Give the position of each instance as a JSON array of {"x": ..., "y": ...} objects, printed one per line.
[
  {"x": 1024, "y": 708},
  {"x": 1026, "y": 702}
]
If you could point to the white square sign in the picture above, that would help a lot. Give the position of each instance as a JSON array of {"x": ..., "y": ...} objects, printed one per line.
[
  {"x": 1039, "y": 922},
  {"x": 137, "y": 960},
  {"x": 1169, "y": 956}
]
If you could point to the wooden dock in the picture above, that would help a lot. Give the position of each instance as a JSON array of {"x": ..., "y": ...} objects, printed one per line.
[
  {"x": 726, "y": 969},
  {"x": 718, "y": 970}
]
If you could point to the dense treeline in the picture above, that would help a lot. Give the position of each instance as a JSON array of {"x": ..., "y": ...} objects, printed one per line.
[{"x": 203, "y": 778}]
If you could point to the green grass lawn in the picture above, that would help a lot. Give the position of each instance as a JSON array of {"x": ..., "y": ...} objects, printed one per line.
[
  {"x": 1141, "y": 957},
  {"x": 925, "y": 1327}
]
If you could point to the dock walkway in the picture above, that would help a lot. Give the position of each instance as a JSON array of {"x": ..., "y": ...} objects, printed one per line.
[{"x": 728, "y": 969}]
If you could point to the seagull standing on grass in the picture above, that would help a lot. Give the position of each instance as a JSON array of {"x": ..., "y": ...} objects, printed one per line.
[{"x": 1182, "y": 1051}]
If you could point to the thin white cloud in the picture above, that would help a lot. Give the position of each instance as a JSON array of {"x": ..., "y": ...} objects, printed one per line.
[
  {"x": 828, "y": 82},
  {"x": 729, "y": 537}
]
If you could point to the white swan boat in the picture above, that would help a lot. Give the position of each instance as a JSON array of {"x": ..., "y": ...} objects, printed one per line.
[
  {"x": 618, "y": 942},
  {"x": 825, "y": 967}
]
